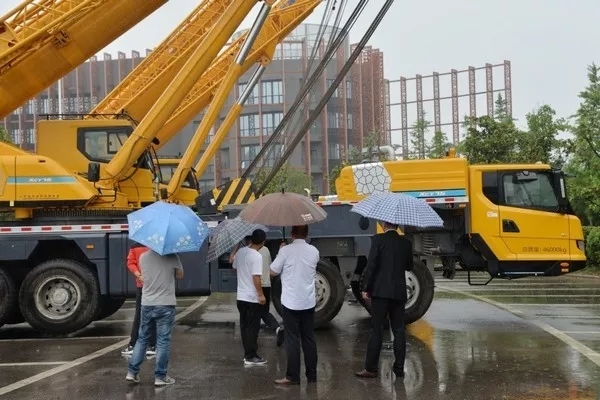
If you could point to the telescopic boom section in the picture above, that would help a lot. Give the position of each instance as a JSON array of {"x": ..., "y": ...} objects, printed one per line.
[
  {"x": 41, "y": 43},
  {"x": 282, "y": 20},
  {"x": 168, "y": 102},
  {"x": 143, "y": 86},
  {"x": 216, "y": 104},
  {"x": 232, "y": 116}
]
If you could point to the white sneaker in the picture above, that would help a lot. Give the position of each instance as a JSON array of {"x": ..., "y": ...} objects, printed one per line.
[
  {"x": 131, "y": 377},
  {"x": 167, "y": 380}
]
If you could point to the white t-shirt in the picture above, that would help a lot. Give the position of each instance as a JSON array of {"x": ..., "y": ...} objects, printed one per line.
[
  {"x": 266, "y": 267},
  {"x": 247, "y": 262},
  {"x": 297, "y": 264}
]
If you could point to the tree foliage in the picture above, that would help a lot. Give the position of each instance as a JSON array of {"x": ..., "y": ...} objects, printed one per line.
[
  {"x": 287, "y": 178},
  {"x": 418, "y": 138},
  {"x": 4, "y": 136}
]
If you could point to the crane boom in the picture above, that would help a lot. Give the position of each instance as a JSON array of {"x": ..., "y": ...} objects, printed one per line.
[
  {"x": 135, "y": 94},
  {"x": 190, "y": 73},
  {"x": 41, "y": 42},
  {"x": 281, "y": 22},
  {"x": 214, "y": 109}
]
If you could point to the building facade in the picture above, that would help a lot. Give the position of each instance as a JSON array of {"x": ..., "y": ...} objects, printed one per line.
[{"x": 356, "y": 109}]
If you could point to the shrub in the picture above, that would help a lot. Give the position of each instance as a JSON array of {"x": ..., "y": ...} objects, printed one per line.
[{"x": 592, "y": 245}]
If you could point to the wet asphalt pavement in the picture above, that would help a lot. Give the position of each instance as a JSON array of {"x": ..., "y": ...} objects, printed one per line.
[{"x": 526, "y": 339}]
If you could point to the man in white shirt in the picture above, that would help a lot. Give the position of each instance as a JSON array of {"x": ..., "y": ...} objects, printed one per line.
[
  {"x": 297, "y": 265},
  {"x": 250, "y": 298},
  {"x": 268, "y": 318}
]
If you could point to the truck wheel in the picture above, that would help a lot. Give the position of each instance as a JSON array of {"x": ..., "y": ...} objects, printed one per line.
[
  {"x": 59, "y": 297},
  {"x": 419, "y": 292},
  {"x": 108, "y": 306},
  {"x": 329, "y": 289},
  {"x": 9, "y": 298}
]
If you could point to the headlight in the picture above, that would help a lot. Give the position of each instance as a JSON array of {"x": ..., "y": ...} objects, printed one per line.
[{"x": 581, "y": 245}]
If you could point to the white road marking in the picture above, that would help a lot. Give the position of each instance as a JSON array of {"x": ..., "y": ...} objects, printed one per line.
[
  {"x": 65, "y": 338},
  {"x": 575, "y": 344},
  {"x": 522, "y": 289},
  {"x": 582, "y": 332},
  {"x": 543, "y": 295},
  {"x": 32, "y": 364},
  {"x": 82, "y": 360}
]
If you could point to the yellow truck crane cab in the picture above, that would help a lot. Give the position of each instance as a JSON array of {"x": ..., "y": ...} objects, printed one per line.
[{"x": 511, "y": 220}]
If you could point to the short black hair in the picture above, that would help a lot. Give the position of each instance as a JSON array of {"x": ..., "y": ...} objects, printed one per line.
[
  {"x": 300, "y": 231},
  {"x": 258, "y": 236}
]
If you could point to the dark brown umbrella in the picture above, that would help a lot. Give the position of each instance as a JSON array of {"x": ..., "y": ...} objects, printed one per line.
[{"x": 283, "y": 209}]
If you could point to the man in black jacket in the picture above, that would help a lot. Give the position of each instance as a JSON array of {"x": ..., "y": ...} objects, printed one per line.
[{"x": 385, "y": 287}]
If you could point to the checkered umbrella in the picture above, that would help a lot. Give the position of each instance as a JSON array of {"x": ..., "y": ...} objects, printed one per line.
[
  {"x": 228, "y": 234},
  {"x": 399, "y": 209}
]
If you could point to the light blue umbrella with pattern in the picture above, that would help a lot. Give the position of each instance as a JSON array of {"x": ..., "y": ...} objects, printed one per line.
[
  {"x": 167, "y": 228},
  {"x": 398, "y": 209}
]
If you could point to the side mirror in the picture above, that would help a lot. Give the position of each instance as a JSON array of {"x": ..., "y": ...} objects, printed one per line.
[
  {"x": 93, "y": 172},
  {"x": 363, "y": 223},
  {"x": 560, "y": 188}
]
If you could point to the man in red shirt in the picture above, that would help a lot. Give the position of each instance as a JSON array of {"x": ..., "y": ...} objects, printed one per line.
[{"x": 133, "y": 266}]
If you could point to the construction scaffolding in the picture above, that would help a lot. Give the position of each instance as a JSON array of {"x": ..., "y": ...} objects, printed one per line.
[{"x": 399, "y": 88}]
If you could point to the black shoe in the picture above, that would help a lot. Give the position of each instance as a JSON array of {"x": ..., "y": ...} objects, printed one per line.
[
  {"x": 280, "y": 336},
  {"x": 255, "y": 361}
]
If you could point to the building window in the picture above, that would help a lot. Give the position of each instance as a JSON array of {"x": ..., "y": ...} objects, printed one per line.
[
  {"x": 249, "y": 124},
  {"x": 335, "y": 151},
  {"x": 333, "y": 120},
  {"x": 272, "y": 92},
  {"x": 249, "y": 153},
  {"x": 206, "y": 185},
  {"x": 225, "y": 164},
  {"x": 31, "y": 136},
  {"x": 253, "y": 97},
  {"x": 16, "y": 137},
  {"x": 270, "y": 122},
  {"x": 349, "y": 123},
  {"x": 336, "y": 93},
  {"x": 348, "y": 89},
  {"x": 291, "y": 51},
  {"x": 273, "y": 155}
]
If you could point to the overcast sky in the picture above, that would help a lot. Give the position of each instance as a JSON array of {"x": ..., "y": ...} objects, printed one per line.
[{"x": 549, "y": 42}]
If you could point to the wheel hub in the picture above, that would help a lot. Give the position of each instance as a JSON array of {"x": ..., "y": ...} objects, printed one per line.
[
  {"x": 413, "y": 289},
  {"x": 57, "y": 298},
  {"x": 323, "y": 291}
]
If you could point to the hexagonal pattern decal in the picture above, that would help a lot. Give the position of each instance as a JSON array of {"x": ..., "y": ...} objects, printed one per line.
[{"x": 371, "y": 178}]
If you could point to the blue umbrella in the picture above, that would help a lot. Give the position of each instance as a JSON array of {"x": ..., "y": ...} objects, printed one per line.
[
  {"x": 167, "y": 228},
  {"x": 398, "y": 209}
]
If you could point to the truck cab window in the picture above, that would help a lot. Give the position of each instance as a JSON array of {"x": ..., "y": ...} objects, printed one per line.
[
  {"x": 529, "y": 190},
  {"x": 167, "y": 172},
  {"x": 489, "y": 183},
  {"x": 101, "y": 145}
]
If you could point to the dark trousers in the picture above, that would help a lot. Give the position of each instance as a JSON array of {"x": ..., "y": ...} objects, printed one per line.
[
  {"x": 249, "y": 326},
  {"x": 300, "y": 328},
  {"x": 380, "y": 310},
  {"x": 268, "y": 318},
  {"x": 135, "y": 329}
]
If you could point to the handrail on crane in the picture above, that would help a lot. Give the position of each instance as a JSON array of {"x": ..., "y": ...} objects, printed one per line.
[{"x": 190, "y": 73}]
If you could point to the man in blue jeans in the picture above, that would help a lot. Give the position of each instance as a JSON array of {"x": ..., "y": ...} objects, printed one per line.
[{"x": 158, "y": 309}]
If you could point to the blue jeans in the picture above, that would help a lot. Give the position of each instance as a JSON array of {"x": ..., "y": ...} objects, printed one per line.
[{"x": 164, "y": 318}]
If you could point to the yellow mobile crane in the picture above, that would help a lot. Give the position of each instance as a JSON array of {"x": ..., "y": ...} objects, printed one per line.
[
  {"x": 62, "y": 258},
  {"x": 41, "y": 41}
]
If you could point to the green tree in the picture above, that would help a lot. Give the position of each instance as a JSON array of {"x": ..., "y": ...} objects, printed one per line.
[
  {"x": 541, "y": 142},
  {"x": 4, "y": 136},
  {"x": 439, "y": 145},
  {"x": 501, "y": 109},
  {"x": 584, "y": 162},
  {"x": 490, "y": 141},
  {"x": 288, "y": 178},
  {"x": 418, "y": 139}
]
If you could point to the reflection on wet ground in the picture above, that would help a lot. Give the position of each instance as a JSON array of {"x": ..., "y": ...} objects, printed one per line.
[{"x": 463, "y": 349}]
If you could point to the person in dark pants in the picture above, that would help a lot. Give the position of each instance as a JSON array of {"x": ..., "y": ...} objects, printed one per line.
[
  {"x": 297, "y": 265},
  {"x": 385, "y": 286},
  {"x": 250, "y": 298},
  {"x": 133, "y": 260}
]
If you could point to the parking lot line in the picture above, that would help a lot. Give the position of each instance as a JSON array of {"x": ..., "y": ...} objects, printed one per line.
[
  {"x": 82, "y": 360},
  {"x": 68, "y": 337},
  {"x": 565, "y": 338},
  {"x": 582, "y": 332},
  {"x": 32, "y": 364}
]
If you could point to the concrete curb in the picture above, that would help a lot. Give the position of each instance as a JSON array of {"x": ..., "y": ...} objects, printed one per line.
[{"x": 586, "y": 276}]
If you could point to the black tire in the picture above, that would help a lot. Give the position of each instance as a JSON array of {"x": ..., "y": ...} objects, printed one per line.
[
  {"x": 74, "y": 279},
  {"x": 325, "y": 312},
  {"x": 9, "y": 299},
  {"x": 108, "y": 306},
  {"x": 419, "y": 307}
]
